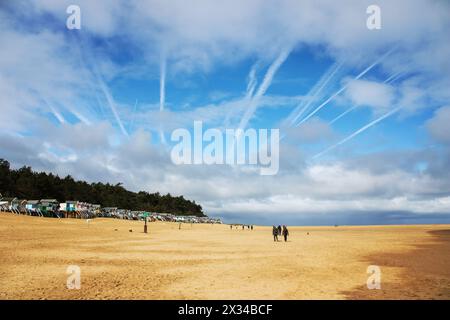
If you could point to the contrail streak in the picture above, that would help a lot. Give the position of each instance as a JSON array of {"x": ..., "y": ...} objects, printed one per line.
[
  {"x": 394, "y": 77},
  {"x": 251, "y": 85},
  {"x": 106, "y": 93},
  {"x": 313, "y": 93},
  {"x": 251, "y": 82},
  {"x": 263, "y": 87},
  {"x": 55, "y": 112},
  {"x": 58, "y": 115},
  {"x": 343, "y": 114},
  {"x": 162, "y": 84},
  {"x": 344, "y": 87},
  {"x": 312, "y": 96},
  {"x": 354, "y": 134},
  {"x": 111, "y": 104},
  {"x": 86, "y": 60},
  {"x": 81, "y": 117},
  {"x": 162, "y": 93}
]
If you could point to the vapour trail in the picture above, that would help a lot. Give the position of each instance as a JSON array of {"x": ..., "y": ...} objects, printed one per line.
[
  {"x": 357, "y": 132},
  {"x": 343, "y": 114},
  {"x": 313, "y": 93},
  {"x": 55, "y": 112},
  {"x": 344, "y": 87},
  {"x": 101, "y": 83},
  {"x": 88, "y": 63},
  {"x": 268, "y": 77},
  {"x": 252, "y": 81},
  {"x": 162, "y": 93},
  {"x": 104, "y": 89},
  {"x": 393, "y": 77},
  {"x": 162, "y": 84},
  {"x": 251, "y": 85},
  {"x": 58, "y": 115},
  {"x": 88, "y": 80},
  {"x": 111, "y": 104},
  {"x": 81, "y": 117}
]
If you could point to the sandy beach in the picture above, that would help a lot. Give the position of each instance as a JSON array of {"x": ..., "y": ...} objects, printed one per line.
[{"x": 213, "y": 262}]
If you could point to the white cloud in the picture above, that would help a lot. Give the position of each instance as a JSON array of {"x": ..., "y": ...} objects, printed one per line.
[
  {"x": 288, "y": 204},
  {"x": 439, "y": 125},
  {"x": 370, "y": 93}
]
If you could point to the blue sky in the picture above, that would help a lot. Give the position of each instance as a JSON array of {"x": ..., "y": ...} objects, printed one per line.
[{"x": 93, "y": 102}]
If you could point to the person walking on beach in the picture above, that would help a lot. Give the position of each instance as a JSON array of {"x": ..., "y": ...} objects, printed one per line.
[
  {"x": 285, "y": 233},
  {"x": 275, "y": 233},
  {"x": 279, "y": 230}
]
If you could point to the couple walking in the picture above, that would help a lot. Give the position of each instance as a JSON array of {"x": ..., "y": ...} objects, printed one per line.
[{"x": 278, "y": 231}]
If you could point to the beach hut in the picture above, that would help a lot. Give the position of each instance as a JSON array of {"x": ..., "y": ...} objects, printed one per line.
[
  {"x": 18, "y": 206},
  {"x": 109, "y": 212},
  {"x": 49, "y": 207},
  {"x": 8, "y": 203},
  {"x": 3, "y": 204},
  {"x": 96, "y": 208},
  {"x": 85, "y": 210},
  {"x": 69, "y": 209},
  {"x": 82, "y": 210},
  {"x": 22, "y": 206},
  {"x": 14, "y": 205},
  {"x": 32, "y": 208},
  {"x": 135, "y": 215},
  {"x": 77, "y": 209},
  {"x": 62, "y": 206},
  {"x": 122, "y": 214},
  {"x": 89, "y": 210}
]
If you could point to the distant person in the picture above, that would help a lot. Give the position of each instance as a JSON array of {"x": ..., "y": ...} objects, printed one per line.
[
  {"x": 279, "y": 230},
  {"x": 285, "y": 233},
  {"x": 251, "y": 227},
  {"x": 231, "y": 226},
  {"x": 275, "y": 233},
  {"x": 243, "y": 227}
]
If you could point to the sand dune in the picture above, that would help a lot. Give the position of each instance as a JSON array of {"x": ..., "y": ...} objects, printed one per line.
[{"x": 214, "y": 262}]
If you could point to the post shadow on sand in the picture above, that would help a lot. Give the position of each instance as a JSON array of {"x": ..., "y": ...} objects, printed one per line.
[{"x": 415, "y": 281}]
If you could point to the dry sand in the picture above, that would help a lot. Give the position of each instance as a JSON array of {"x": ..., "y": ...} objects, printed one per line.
[{"x": 214, "y": 262}]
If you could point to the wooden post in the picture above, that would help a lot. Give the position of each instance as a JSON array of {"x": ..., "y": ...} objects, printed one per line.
[{"x": 145, "y": 225}]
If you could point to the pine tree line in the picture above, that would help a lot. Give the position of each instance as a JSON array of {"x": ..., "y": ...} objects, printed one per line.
[{"x": 24, "y": 183}]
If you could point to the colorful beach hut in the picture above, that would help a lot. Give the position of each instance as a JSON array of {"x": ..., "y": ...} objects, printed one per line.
[
  {"x": 3, "y": 204},
  {"x": 32, "y": 208},
  {"x": 49, "y": 207},
  {"x": 18, "y": 206},
  {"x": 69, "y": 209}
]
